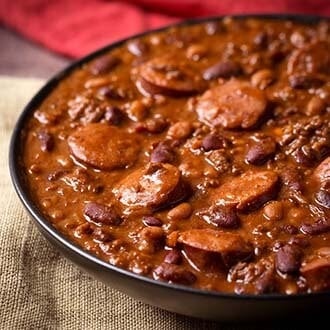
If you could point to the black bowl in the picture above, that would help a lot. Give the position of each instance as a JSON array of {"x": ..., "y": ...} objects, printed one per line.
[{"x": 176, "y": 298}]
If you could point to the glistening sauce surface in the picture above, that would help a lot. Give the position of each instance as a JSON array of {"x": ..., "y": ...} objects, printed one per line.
[{"x": 198, "y": 155}]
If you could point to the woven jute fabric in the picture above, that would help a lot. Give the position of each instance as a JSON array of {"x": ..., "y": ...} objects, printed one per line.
[{"x": 40, "y": 289}]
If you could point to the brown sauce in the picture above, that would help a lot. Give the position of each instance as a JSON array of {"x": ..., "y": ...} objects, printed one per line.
[{"x": 198, "y": 155}]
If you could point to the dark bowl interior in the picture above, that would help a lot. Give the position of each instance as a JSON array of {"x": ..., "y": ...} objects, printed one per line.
[{"x": 175, "y": 298}]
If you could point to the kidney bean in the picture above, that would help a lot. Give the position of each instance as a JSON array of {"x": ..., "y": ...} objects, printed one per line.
[
  {"x": 137, "y": 47},
  {"x": 182, "y": 211},
  {"x": 103, "y": 64},
  {"x": 163, "y": 153},
  {"x": 261, "y": 39},
  {"x": 213, "y": 142},
  {"x": 305, "y": 155},
  {"x": 174, "y": 273},
  {"x": 288, "y": 259},
  {"x": 292, "y": 179},
  {"x": 152, "y": 221},
  {"x": 173, "y": 257},
  {"x": 222, "y": 216},
  {"x": 320, "y": 226},
  {"x": 323, "y": 198},
  {"x": 223, "y": 69},
  {"x": 47, "y": 142},
  {"x": 261, "y": 150},
  {"x": 113, "y": 115},
  {"x": 101, "y": 214},
  {"x": 304, "y": 82}
]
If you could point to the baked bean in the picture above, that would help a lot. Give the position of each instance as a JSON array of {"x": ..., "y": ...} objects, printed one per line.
[
  {"x": 315, "y": 106},
  {"x": 137, "y": 111},
  {"x": 273, "y": 211},
  {"x": 180, "y": 130},
  {"x": 196, "y": 52},
  {"x": 262, "y": 78},
  {"x": 182, "y": 211},
  {"x": 197, "y": 155}
]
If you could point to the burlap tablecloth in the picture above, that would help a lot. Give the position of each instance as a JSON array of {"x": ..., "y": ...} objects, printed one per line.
[{"x": 39, "y": 289}]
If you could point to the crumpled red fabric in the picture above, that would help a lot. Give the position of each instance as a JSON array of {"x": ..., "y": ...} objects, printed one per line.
[{"x": 77, "y": 27}]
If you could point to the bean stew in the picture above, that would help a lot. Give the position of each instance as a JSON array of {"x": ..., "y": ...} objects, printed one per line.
[{"x": 197, "y": 155}]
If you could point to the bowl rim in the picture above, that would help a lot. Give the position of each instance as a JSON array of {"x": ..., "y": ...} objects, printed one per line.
[{"x": 40, "y": 219}]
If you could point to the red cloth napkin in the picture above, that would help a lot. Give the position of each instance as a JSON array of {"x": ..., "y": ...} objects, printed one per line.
[{"x": 77, "y": 27}]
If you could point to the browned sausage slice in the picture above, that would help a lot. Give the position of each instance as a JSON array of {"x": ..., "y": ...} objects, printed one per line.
[
  {"x": 153, "y": 187},
  {"x": 314, "y": 59},
  {"x": 103, "y": 146},
  {"x": 322, "y": 172},
  {"x": 317, "y": 273},
  {"x": 231, "y": 246},
  {"x": 168, "y": 77},
  {"x": 235, "y": 104},
  {"x": 248, "y": 191}
]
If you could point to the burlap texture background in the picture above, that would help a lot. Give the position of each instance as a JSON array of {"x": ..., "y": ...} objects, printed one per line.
[{"x": 39, "y": 289}]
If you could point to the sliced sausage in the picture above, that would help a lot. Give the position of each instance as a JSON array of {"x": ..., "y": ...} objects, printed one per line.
[
  {"x": 248, "y": 191},
  {"x": 104, "y": 147},
  {"x": 235, "y": 104},
  {"x": 232, "y": 247},
  {"x": 317, "y": 273},
  {"x": 204, "y": 261},
  {"x": 156, "y": 186},
  {"x": 313, "y": 58},
  {"x": 169, "y": 77}
]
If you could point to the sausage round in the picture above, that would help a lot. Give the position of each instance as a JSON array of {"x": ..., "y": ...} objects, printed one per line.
[
  {"x": 235, "y": 104},
  {"x": 103, "y": 146},
  {"x": 248, "y": 191},
  {"x": 168, "y": 77},
  {"x": 156, "y": 186}
]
